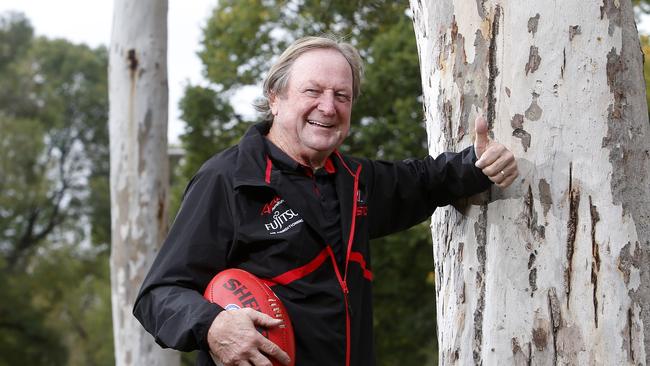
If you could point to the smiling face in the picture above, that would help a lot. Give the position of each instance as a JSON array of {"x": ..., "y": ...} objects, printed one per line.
[{"x": 312, "y": 116}]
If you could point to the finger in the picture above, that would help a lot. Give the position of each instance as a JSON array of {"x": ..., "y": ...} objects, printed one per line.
[
  {"x": 511, "y": 169},
  {"x": 245, "y": 363},
  {"x": 262, "y": 319},
  {"x": 498, "y": 175},
  {"x": 258, "y": 359},
  {"x": 481, "y": 140},
  {"x": 507, "y": 181},
  {"x": 490, "y": 155},
  {"x": 505, "y": 177},
  {"x": 511, "y": 166},
  {"x": 510, "y": 178},
  {"x": 274, "y": 351},
  {"x": 496, "y": 159},
  {"x": 495, "y": 169},
  {"x": 494, "y": 172}
]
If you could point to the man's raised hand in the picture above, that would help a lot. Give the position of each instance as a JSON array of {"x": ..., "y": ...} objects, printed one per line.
[{"x": 495, "y": 160}]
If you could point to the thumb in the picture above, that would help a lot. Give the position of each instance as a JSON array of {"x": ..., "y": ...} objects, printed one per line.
[{"x": 481, "y": 139}]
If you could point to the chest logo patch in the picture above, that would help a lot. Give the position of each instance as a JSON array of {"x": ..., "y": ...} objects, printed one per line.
[{"x": 280, "y": 217}]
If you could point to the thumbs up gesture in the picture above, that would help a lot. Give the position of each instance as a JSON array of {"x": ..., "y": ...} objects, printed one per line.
[{"x": 495, "y": 160}]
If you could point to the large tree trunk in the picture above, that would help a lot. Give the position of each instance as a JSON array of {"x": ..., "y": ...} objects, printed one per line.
[
  {"x": 139, "y": 167},
  {"x": 555, "y": 269}
]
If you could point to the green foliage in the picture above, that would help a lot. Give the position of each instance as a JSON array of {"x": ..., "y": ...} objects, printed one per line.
[
  {"x": 23, "y": 333},
  {"x": 54, "y": 162},
  {"x": 404, "y": 298},
  {"x": 642, "y": 5},
  {"x": 240, "y": 39},
  {"x": 80, "y": 314},
  {"x": 388, "y": 117},
  {"x": 230, "y": 61},
  {"x": 211, "y": 126}
]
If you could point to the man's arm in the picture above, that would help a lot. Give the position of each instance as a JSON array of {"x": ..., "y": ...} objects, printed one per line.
[{"x": 405, "y": 193}]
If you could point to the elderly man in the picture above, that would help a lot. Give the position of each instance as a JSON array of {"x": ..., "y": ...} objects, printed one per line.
[{"x": 285, "y": 205}]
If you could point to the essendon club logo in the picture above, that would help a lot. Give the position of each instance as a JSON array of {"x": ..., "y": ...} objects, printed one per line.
[{"x": 269, "y": 207}]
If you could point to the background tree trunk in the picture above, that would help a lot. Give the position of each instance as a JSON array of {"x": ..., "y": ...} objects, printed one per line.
[
  {"x": 139, "y": 167},
  {"x": 553, "y": 270}
]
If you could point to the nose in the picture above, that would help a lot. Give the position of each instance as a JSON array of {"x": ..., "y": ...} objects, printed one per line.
[{"x": 326, "y": 103}]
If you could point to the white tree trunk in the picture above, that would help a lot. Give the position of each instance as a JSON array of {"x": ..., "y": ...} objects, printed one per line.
[
  {"x": 555, "y": 269},
  {"x": 139, "y": 167}
]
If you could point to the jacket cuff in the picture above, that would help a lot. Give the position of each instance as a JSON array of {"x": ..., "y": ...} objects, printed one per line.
[
  {"x": 202, "y": 326},
  {"x": 482, "y": 179}
]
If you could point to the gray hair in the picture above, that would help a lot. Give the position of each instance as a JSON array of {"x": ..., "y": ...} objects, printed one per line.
[{"x": 277, "y": 79}]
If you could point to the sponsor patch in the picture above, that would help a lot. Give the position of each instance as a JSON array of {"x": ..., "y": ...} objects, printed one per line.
[
  {"x": 281, "y": 218},
  {"x": 282, "y": 221}
]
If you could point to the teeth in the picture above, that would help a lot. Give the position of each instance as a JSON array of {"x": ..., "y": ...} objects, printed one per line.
[{"x": 318, "y": 123}]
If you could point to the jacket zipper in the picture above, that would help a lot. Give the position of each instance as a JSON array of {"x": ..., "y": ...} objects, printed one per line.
[
  {"x": 344, "y": 288},
  {"x": 343, "y": 279}
]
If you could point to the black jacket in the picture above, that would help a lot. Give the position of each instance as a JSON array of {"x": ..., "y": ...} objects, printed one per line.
[{"x": 242, "y": 211}]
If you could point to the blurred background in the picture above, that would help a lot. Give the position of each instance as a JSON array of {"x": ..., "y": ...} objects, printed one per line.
[{"x": 54, "y": 157}]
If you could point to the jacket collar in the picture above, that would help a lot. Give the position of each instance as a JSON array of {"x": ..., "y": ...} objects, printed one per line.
[
  {"x": 251, "y": 166},
  {"x": 254, "y": 167}
]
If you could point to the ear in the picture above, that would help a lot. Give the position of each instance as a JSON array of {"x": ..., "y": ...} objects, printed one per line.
[{"x": 273, "y": 104}]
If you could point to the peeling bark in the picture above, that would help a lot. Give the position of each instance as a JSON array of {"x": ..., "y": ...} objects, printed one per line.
[
  {"x": 556, "y": 319},
  {"x": 572, "y": 227},
  {"x": 532, "y": 24},
  {"x": 611, "y": 9},
  {"x": 534, "y": 111},
  {"x": 574, "y": 30},
  {"x": 545, "y": 195},
  {"x": 480, "y": 229},
  {"x": 534, "y": 59},
  {"x": 517, "y": 124},
  {"x": 595, "y": 253},
  {"x": 493, "y": 67}
]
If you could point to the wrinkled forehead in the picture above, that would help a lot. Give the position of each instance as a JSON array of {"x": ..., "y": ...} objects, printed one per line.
[{"x": 324, "y": 67}]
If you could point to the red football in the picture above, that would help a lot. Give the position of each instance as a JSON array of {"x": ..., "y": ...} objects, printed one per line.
[{"x": 235, "y": 289}]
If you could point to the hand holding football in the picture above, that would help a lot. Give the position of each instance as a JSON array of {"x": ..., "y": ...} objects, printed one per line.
[{"x": 258, "y": 326}]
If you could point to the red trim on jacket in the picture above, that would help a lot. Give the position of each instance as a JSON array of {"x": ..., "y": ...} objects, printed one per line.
[
  {"x": 355, "y": 199},
  {"x": 343, "y": 162},
  {"x": 300, "y": 272},
  {"x": 329, "y": 166},
  {"x": 358, "y": 257},
  {"x": 303, "y": 271},
  {"x": 267, "y": 175}
]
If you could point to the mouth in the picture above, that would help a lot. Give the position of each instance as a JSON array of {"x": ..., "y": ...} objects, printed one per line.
[{"x": 320, "y": 124}]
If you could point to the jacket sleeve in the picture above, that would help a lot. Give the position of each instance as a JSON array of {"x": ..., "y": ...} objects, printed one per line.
[
  {"x": 170, "y": 304},
  {"x": 405, "y": 193}
]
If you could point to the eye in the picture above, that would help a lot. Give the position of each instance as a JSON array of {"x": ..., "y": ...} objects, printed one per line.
[
  {"x": 342, "y": 97},
  {"x": 312, "y": 92}
]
